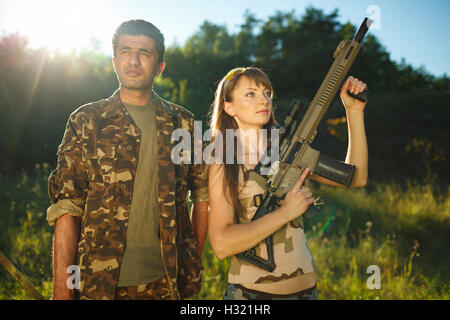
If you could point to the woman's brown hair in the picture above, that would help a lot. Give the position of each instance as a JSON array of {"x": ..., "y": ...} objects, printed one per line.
[{"x": 221, "y": 121}]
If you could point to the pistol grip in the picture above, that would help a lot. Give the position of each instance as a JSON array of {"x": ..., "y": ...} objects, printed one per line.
[{"x": 362, "y": 96}]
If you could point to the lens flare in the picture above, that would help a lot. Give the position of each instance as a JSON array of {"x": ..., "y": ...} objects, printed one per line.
[{"x": 56, "y": 25}]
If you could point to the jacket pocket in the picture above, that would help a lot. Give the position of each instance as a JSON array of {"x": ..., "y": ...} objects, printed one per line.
[
  {"x": 93, "y": 150},
  {"x": 106, "y": 158},
  {"x": 100, "y": 161}
]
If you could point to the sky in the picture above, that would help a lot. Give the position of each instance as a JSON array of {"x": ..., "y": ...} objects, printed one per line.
[{"x": 415, "y": 30}]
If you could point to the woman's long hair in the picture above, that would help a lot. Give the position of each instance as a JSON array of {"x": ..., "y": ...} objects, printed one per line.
[{"x": 221, "y": 121}]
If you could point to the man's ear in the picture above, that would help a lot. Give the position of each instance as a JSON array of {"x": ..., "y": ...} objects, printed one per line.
[
  {"x": 229, "y": 109},
  {"x": 161, "y": 68}
]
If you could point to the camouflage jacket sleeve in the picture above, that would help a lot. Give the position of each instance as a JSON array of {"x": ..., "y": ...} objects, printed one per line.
[
  {"x": 67, "y": 184},
  {"x": 197, "y": 175},
  {"x": 198, "y": 183},
  {"x": 190, "y": 270}
]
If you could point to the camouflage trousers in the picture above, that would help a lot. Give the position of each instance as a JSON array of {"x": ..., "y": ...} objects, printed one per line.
[
  {"x": 238, "y": 292},
  {"x": 156, "y": 290}
]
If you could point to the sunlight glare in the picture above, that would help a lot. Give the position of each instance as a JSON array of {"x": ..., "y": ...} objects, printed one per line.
[{"x": 57, "y": 25}]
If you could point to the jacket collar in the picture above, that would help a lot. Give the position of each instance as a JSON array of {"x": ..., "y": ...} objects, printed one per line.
[{"x": 114, "y": 105}]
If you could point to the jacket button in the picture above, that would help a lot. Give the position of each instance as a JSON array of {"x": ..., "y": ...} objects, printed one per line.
[
  {"x": 123, "y": 186},
  {"x": 129, "y": 148}
]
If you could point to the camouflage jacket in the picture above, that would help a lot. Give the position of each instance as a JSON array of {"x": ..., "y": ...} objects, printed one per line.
[{"x": 97, "y": 162}]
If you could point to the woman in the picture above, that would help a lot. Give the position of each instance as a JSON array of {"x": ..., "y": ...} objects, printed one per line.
[{"x": 243, "y": 101}]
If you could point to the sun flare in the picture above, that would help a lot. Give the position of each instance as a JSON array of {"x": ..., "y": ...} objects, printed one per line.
[{"x": 57, "y": 25}]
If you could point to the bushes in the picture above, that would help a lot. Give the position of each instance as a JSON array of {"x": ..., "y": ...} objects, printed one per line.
[
  {"x": 404, "y": 232},
  {"x": 25, "y": 236},
  {"x": 401, "y": 231}
]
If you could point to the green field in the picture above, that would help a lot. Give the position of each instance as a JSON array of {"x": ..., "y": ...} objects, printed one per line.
[{"x": 403, "y": 231}]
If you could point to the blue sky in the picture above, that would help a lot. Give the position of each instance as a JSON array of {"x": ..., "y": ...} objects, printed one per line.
[{"x": 412, "y": 29}]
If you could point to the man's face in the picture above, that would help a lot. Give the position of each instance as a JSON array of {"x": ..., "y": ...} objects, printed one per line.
[{"x": 136, "y": 62}]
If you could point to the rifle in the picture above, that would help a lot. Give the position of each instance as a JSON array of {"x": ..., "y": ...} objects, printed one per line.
[
  {"x": 295, "y": 152},
  {"x": 20, "y": 277}
]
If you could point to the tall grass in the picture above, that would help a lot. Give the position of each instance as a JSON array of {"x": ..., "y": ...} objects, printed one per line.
[
  {"x": 404, "y": 232},
  {"x": 25, "y": 237}
]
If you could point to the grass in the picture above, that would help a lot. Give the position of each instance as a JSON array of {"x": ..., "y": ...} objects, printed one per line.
[{"x": 403, "y": 231}]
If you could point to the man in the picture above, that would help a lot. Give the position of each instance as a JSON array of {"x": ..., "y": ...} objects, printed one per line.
[{"x": 118, "y": 201}]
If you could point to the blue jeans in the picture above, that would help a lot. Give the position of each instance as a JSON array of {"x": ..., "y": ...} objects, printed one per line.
[{"x": 238, "y": 292}]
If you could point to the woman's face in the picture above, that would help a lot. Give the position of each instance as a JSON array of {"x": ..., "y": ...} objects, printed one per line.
[{"x": 251, "y": 105}]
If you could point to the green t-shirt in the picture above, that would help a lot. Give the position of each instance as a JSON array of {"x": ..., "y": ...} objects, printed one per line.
[{"x": 142, "y": 260}]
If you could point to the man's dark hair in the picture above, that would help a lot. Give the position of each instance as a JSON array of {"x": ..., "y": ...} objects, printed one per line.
[{"x": 139, "y": 28}]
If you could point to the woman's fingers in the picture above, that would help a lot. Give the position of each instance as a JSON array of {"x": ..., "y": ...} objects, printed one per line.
[
  {"x": 347, "y": 84},
  {"x": 306, "y": 192},
  {"x": 361, "y": 87},
  {"x": 301, "y": 179},
  {"x": 354, "y": 85},
  {"x": 299, "y": 198}
]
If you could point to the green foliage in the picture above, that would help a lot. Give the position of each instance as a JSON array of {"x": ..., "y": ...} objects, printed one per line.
[
  {"x": 25, "y": 236},
  {"x": 399, "y": 231},
  {"x": 404, "y": 231},
  {"x": 406, "y": 201},
  {"x": 404, "y": 115},
  {"x": 214, "y": 279}
]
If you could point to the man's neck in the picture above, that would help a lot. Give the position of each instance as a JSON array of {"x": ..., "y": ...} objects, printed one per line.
[{"x": 135, "y": 97}]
